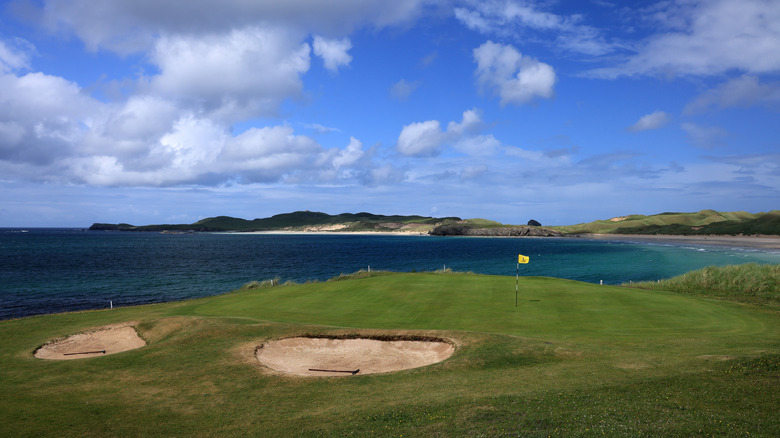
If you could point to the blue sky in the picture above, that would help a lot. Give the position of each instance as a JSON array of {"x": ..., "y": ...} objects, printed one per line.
[{"x": 146, "y": 111}]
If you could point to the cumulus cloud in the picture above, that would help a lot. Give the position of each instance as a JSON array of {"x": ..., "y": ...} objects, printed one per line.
[
  {"x": 42, "y": 117},
  {"x": 744, "y": 91},
  {"x": 421, "y": 139},
  {"x": 515, "y": 78},
  {"x": 51, "y": 131},
  {"x": 349, "y": 155},
  {"x": 428, "y": 139},
  {"x": 257, "y": 68},
  {"x": 333, "y": 52},
  {"x": 650, "y": 121},
  {"x": 214, "y": 67},
  {"x": 707, "y": 38}
]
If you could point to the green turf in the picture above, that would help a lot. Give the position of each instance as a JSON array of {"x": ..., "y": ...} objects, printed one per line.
[{"x": 572, "y": 359}]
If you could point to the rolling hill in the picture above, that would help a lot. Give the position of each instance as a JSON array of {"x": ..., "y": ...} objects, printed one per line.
[
  {"x": 296, "y": 221},
  {"x": 705, "y": 222}
]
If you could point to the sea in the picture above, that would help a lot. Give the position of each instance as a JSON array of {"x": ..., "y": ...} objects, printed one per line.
[{"x": 51, "y": 270}]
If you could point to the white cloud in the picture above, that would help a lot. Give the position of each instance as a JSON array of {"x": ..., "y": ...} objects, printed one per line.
[
  {"x": 349, "y": 155},
  {"x": 51, "y": 131},
  {"x": 708, "y": 38},
  {"x": 43, "y": 117},
  {"x": 128, "y": 26},
  {"x": 513, "y": 77},
  {"x": 510, "y": 18},
  {"x": 421, "y": 139},
  {"x": 333, "y": 52},
  {"x": 234, "y": 75},
  {"x": 192, "y": 145},
  {"x": 651, "y": 121},
  {"x": 744, "y": 91},
  {"x": 320, "y": 129},
  {"x": 425, "y": 139},
  {"x": 471, "y": 122},
  {"x": 14, "y": 55}
]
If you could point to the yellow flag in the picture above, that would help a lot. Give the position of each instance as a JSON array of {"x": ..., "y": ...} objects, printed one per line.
[{"x": 522, "y": 259}]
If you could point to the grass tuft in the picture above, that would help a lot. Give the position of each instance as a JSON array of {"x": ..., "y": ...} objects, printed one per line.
[
  {"x": 359, "y": 274},
  {"x": 751, "y": 283},
  {"x": 261, "y": 284}
]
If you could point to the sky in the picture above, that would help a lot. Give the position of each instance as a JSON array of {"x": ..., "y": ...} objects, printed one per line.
[{"x": 149, "y": 112}]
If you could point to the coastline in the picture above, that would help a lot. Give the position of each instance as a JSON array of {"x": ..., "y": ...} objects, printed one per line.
[
  {"x": 330, "y": 233},
  {"x": 752, "y": 242}
]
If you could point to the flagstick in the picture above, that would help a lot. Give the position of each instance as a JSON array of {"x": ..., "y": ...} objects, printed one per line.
[{"x": 517, "y": 280}]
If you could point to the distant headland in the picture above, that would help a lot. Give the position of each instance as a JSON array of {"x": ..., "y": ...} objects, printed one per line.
[{"x": 702, "y": 223}]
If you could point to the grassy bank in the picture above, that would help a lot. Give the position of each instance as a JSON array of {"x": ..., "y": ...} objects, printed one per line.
[
  {"x": 748, "y": 283},
  {"x": 572, "y": 359},
  {"x": 703, "y": 223}
]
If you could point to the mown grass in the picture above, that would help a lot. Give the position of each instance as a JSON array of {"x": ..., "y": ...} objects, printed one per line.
[
  {"x": 572, "y": 359},
  {"x": 747, "y": 283}
]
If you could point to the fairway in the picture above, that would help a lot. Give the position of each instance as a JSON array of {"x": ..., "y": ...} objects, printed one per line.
[{"x": 570, "y": 359}]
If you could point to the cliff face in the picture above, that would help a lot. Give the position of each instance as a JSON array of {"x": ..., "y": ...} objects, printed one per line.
[{"x": 518, "y": 231}]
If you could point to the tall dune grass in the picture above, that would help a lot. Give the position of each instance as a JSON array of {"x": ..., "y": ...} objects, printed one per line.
[{"x": 748, "y": 283}]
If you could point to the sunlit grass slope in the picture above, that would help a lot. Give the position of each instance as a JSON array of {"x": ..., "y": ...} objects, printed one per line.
[
  {"x": 704, "y": 222},
  {"x": 572, "y": 359}
]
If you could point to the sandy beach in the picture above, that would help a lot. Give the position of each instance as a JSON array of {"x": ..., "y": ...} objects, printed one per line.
[
  {"x": 757, "y": 242},
  {"x": 333, "y": 233}
]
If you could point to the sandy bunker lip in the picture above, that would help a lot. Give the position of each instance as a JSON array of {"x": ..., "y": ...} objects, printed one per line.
[
  {"x": 320, "y": 356},
  {"x": 99, "y": 342}
]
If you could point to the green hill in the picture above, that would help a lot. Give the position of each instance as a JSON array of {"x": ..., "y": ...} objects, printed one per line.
[
  {"x": 704, "y": 222},
  {"x": 292, "y": 221}
]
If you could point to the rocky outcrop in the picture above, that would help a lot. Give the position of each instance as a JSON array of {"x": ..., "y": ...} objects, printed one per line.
[{"x": 516, "y": 231}]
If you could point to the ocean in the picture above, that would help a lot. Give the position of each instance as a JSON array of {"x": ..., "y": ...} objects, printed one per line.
[{"x": 56, "y": 270}]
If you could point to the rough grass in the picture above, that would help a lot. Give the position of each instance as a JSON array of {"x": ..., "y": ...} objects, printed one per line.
[
  {"x": 747, "y": 283},
  {"x": 572, "y": 359},
  {"x": 704, "y": 222}
]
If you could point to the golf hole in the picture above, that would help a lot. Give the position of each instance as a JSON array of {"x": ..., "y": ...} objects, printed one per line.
[
  {"x": 351, "y": 355},
  {"x": 98, "y": 342}
]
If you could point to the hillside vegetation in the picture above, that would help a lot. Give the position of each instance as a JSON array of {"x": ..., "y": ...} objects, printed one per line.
[
  {"x": 299, "y": 220},
  {"x": 704, "y": 222},
  {"x": 748, "y": 283}
]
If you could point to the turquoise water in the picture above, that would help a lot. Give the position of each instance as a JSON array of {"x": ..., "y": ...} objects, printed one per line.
[{"x": 55, "y": 270}]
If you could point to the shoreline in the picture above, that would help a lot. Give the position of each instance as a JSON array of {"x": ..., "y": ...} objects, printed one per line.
[
  {"x": 752, "y": 242},
  {"x": 329, "y": 233}
]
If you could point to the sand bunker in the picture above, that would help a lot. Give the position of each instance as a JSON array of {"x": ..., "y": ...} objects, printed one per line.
[
  {"x": 100, "y": 342},
  {"x": 343, "y": 357}
]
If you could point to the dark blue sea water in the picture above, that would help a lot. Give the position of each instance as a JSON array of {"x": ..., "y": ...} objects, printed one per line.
[{"x": 56, "y": 270}]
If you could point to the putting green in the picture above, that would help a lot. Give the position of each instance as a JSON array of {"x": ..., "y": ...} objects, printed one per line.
[{"x": 547, "y": 307}]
